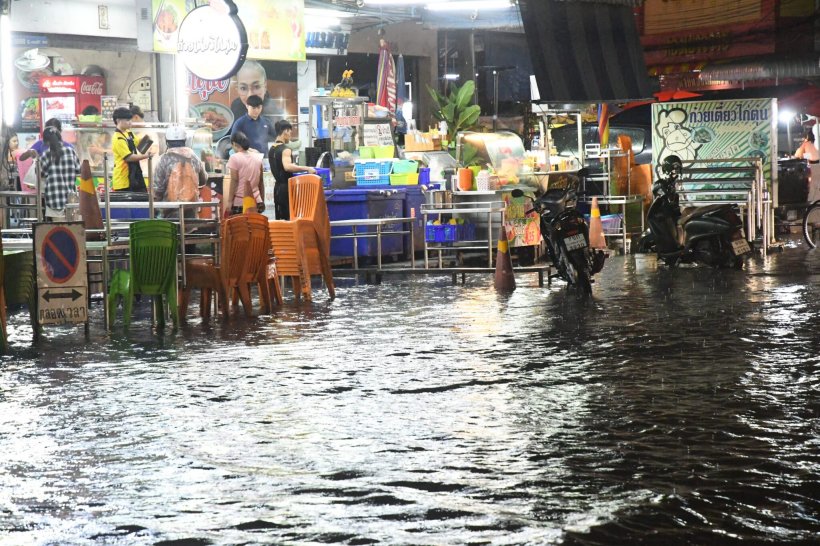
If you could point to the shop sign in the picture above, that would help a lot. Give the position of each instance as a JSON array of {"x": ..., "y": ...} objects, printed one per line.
[
  {"x": 212, "y": 41},
  {"x": 347, "y": 121},
  {"x": 714, "y": 130},
  {"x": 523, "y": 228},
  {"x": 274, "y": 28},
  {"x": 59, "y": 85},
  {"x": 205, "y": 88}
]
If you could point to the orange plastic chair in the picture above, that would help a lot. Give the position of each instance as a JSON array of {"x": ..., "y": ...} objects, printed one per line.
[
  {"x": 256, "y": 264},
  {"x": 204, "y": 274},
  {"x": 301, "y": 245}
]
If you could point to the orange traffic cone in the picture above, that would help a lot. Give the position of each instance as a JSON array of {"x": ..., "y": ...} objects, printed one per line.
[
  {"x": 596, "y": 229},
  {"x": 89, "y": 205},
  {"x": 504, "y": 278}
]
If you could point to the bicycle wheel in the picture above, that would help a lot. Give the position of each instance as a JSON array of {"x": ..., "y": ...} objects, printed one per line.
[{"x": 811, "y": 224}]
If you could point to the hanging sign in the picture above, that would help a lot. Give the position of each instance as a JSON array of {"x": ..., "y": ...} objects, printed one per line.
[
  {"x": 212, "y": 41},
  {"x": 377, "y": 134},
  {"x": 62, "y": 283}
]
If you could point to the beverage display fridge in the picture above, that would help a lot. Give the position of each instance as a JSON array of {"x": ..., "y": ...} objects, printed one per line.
[{"x": 65, "y": 97}]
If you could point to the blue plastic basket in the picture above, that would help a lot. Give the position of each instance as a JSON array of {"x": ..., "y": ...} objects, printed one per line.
[
  {"x": 372, "y": 170},
  {"x": 424, "y": 175},
  {"x": 382, "y": 180},
  {"x": 433, "y": 233}
]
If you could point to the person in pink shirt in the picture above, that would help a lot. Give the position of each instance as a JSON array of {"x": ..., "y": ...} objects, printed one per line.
[{"x": 245, "y": 166}]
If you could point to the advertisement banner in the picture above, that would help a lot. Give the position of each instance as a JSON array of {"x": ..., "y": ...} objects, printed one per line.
[
  {"x": 275, "y": 28},
  {"x": 720, "y": 129},
  {"x": 522, "y": 229},
  {"x": 701, "y": 30}
]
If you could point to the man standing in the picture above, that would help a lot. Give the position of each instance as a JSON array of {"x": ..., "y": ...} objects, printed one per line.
[
  {"x": 179, "y": 173},
  {"x": 283, "y": 167},
  {"x": 255, "y": 126}
]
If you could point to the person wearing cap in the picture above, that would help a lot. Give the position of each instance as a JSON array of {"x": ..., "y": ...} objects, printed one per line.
[
  {"x": 127, "y": 175},
  {"x": 179, "y": 173}
]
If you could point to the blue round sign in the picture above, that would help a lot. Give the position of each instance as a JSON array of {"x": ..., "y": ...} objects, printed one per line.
[{"x": 61, "y": 255}]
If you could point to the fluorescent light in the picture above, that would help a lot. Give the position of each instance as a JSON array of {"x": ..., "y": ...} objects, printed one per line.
[
  {"x": 451, "y": 76},
  {"x": 786, "y": 116},
  {"x": 322, "y": 23},
  {"x": 181, "y": 89},
  {"x": 469, "y": 5},
  {"x": 8, "y": 108}
]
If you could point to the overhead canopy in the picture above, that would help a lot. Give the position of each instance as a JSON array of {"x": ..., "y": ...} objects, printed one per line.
[{"x": 585, "y": 51}]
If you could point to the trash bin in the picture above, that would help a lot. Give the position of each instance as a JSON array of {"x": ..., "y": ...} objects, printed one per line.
[
  {"x": 127, "y": 197},
  {"x": 349, "y": 204}
]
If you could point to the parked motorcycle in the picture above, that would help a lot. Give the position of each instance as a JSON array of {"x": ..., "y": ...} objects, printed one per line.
[
  {"x": 566, "y": 232},
  {"x": 712, "y": 234}
]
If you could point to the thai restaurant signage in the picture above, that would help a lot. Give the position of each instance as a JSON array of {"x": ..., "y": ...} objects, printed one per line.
[
  {"x": 212, "y": 41},
  {"x": 716, "y": 129},
  {"x": 275, "y": 28},
  {"x": 675, "y": 31}
]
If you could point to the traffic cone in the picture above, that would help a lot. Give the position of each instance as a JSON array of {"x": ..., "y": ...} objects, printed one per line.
[
  {"x": 89, "y": 205},
  {"x": 504, "y": 278},
  {"x": 596, "y": 228}
]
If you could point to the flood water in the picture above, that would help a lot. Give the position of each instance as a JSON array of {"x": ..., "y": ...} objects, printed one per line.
[{"x": 673, "y": 407}]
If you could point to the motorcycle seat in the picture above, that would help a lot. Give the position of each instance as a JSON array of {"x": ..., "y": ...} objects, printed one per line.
[{"x": 695, "y": 212}]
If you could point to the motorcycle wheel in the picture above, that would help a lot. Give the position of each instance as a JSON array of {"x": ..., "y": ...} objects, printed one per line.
[{"x": 580, "y": 264}]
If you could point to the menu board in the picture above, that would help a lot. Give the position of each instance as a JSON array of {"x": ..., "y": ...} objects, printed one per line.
[
  {"x": 275, "y": 28},
  {"x": 378, "y": 134},
  {"x": 108, "y": 105}
]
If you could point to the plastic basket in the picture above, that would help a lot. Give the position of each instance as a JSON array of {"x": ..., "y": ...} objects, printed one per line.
[
  {"x": 404, "y": 166},
  {"x": 404, "y": 179},
  {"x": 366, "y": 152},
  {"x": 383, "y": 152},
  {"x": 382, "y": 180},
  {"x": 611, "y": 223},
  {"x": 372, "y": 170},
  {"x": 434, "y": 233}
]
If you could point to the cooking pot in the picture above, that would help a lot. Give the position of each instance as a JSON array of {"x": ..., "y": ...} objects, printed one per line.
[{"x": 441, "y": 199}]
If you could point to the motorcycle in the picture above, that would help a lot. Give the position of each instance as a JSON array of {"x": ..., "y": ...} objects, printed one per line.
[
  {"x": 566, "y": 232},
  {"x": 712, "y": 235}
]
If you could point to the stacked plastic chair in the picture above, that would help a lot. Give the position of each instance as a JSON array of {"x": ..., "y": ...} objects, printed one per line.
[
  {"x": 207, "y": 276},
  {"x": 301, "y": 245},
  {"x": 153, "y": 271},
  {"x": 256, "y": 267}
]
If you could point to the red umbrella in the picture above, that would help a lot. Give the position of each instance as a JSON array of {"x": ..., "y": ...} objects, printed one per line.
[{"x": 676, "y": 94}]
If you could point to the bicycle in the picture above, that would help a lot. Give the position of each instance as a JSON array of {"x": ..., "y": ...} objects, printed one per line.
[{"x": 811, "y": 224}]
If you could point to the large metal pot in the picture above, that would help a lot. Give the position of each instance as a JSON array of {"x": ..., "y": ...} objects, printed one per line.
[{"x": 441, "y": 199}]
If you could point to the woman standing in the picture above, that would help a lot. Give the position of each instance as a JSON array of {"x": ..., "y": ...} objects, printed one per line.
[
  {"x": 8, "y": 157},
  {"x": 246, "y": 176},
  {"x": 59, "y": 168}
]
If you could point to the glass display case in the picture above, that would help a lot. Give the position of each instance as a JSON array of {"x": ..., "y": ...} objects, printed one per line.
[
  {"x": 93, "y": 140},
  {"x": 337, "y": 124}
]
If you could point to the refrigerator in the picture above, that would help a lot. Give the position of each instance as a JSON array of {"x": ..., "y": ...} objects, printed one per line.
[{"x": 65, "y": 97}]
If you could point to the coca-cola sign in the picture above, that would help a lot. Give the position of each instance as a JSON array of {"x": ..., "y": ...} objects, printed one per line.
[
  {"x": 212, "y": 41},
  {"x": 91, "y": 88}
]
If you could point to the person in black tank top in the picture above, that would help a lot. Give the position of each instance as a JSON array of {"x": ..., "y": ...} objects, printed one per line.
[{"x": 282, "y": 167}]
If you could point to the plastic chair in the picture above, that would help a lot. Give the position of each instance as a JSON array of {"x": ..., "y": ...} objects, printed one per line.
[
  {"x": 256, "y": 266},
  {"x": 302, "y": 245},
  {"x": 204, "y": 274},
  {"x": 153, "y": 271}
]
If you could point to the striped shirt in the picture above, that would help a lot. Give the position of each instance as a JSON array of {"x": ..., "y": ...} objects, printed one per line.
[{"x": 60, "y": 176}]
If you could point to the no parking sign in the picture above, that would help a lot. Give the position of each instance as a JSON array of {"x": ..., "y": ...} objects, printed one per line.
[{"x": 62, "y": 283}]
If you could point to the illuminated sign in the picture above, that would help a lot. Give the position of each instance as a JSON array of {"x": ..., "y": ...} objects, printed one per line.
[{"x": 212, "y": 41}]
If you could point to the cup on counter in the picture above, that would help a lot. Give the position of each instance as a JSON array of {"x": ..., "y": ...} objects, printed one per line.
[{"x": 465, "y": 179}]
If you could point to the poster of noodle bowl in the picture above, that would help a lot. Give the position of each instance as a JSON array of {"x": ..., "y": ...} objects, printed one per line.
[{"x": 275, "y": 28}]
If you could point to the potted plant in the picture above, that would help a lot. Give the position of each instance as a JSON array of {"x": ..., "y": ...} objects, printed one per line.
[{"x": 457, "y": 110}]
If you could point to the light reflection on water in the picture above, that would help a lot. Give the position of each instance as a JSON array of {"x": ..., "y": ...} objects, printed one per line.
[{"x": 673, "y": 407}]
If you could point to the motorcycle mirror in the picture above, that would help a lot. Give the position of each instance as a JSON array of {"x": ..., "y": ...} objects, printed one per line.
[{"x": 517, "y": 193}]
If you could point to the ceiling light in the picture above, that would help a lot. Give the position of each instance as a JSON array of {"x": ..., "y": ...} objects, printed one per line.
[{"x": 469, "y": 5}]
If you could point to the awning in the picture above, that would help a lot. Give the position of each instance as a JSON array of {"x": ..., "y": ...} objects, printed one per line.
[
  {"x": 584, "y": 51},
  {"x": 806, "y": 101}
]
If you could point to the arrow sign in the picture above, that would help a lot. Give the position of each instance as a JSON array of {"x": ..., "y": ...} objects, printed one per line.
[{"x": 73, "y": 295}]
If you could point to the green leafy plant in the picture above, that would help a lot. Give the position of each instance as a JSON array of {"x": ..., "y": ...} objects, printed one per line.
[{"x": 457, "y": 109}]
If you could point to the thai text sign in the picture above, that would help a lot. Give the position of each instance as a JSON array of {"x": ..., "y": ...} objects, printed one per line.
[
  {"x": 275, "y": 28},
  {"x": 722, "y": 129},
  {"x": 62, "y": 283}
]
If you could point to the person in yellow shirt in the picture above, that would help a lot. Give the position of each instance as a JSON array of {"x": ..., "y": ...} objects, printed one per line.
[{"x": 127, "y": 175}]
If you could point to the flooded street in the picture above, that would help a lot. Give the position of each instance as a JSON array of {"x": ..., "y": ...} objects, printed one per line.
[{"x": 673, "y": 407}]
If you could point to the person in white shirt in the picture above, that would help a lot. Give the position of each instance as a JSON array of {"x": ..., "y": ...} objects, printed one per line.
[{"x": 807, "y": 149}]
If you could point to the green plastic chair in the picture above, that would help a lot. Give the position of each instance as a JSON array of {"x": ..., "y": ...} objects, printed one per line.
[{"x": 153, "y": 271}]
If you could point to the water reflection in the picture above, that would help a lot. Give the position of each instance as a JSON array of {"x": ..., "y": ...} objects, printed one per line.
[{"x": 672, "y": 407}]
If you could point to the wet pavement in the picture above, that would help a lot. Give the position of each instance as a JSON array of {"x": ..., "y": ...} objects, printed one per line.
[{"x": 673, "y": 407}]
